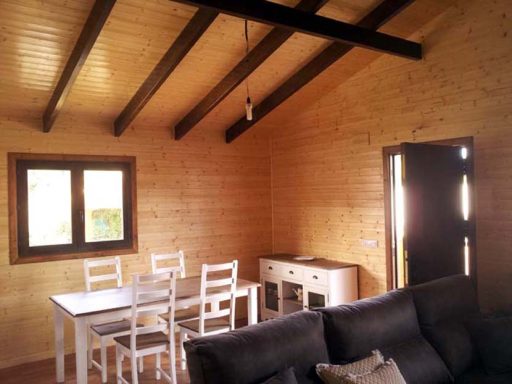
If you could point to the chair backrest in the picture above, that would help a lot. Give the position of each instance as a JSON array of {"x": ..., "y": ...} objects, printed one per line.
[
  {"x": 152, "y": 295},
  {"x": 90, "y": 264},
  {"x": 216, "y": 289},
  {"x": 175, "y": 258}
]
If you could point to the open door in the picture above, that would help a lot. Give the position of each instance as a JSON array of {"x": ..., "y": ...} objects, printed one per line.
[{"x": 435, "y": 229}]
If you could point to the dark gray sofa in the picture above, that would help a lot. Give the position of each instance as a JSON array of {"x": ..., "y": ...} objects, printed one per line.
[{"x": 422, "y": 328}]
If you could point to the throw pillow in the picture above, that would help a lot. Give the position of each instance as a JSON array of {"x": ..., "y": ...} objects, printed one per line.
[
  {"x": 286, "y": 376},
  {"x": 333, "y": 374},
  {"x": 387, "y": 373},
  {"x": 493, "y": 338}
]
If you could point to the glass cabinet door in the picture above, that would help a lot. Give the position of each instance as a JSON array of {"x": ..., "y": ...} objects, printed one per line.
[
  {"x": 315, "y": 299},
  {"x": 271, "y": 296}
]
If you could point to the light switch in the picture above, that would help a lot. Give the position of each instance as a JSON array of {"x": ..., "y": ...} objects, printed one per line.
[{"x": 369, "y": 243}]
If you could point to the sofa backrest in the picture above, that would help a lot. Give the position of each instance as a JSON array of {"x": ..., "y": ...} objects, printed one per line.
[
  {"x": 253, "y": 354},
  {"x": 443, "y": 306},
  {"x": 388, "y": 323}
]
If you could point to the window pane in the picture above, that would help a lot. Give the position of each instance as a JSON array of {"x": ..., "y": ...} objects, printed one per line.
[
  {"x": 49, "y": 207},
  {"x": 103, "y": 200}
]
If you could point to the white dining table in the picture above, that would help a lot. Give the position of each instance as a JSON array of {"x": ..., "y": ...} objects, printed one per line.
[{"x": 94, "y": 307}]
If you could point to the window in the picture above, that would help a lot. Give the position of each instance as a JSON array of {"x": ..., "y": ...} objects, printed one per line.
[{"x": 68, "y": 206}]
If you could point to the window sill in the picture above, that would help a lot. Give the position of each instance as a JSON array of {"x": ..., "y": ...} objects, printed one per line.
[{"x": 16, "y": 259}]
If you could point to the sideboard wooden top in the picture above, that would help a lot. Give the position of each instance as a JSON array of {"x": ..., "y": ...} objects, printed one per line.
[{"x": 316, "y": 263}]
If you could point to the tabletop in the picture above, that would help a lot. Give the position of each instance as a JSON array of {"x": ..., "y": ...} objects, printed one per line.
[
  {"x": 93, "y": 302},
  {"x": 317, "y": 262}
]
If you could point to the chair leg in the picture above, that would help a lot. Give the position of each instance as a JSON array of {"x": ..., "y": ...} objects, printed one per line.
[
  {"x": 141, "y": 364},
  {"x": 119, "y": 365},
  {"x": 158, "y": 366},
  {"x": 103, "y": 347},
  {"x": 172, "y": 361},
  {"x": 90, "y": 349},
  {"x": 183, "y": 338},
  {"x": 135, "y": 376}
]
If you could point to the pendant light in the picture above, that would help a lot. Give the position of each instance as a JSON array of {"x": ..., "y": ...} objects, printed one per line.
[{"x": 248, "y": 102}]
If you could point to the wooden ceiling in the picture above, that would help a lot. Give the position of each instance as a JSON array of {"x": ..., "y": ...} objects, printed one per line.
[{"x": 37, "y": 38}]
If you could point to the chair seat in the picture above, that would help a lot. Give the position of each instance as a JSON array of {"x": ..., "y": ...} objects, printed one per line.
[
  {"x": 210, "y": 325},
  {"x": 149, "y": 340},
  {"x": 112, "y": 328},
  {"x": 182, "y": 315}
]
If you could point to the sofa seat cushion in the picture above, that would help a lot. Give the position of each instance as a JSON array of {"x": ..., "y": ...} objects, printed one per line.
[
  {"x": 493, "y": 338},
  {"x": 443, "y": 307},
  {"x": 478, "y": 375},
  {"x": 254, "y": 354},
  {"x": 418, "y": 362},
  {"x": 452, "y": 341},
  {"x": 286, "y": 376},
  {"x": 387, "y": 323}
]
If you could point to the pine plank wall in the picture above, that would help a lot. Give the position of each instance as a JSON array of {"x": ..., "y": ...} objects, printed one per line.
[
  {"x": 327, "y": 163},
  {"x": 203, "y": 196},
  {"x": 314, "y": 187}
]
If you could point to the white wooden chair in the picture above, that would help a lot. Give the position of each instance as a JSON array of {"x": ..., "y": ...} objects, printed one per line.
[
  {"x": 214, "y": 290},
  {"x": 160, "y": 263},
  {"x": 152, "y": 295},
  {"x": 107, "y": 331},
  {"x": 177, "y": 257}
]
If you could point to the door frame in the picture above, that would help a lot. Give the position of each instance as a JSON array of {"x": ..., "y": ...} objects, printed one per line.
[{"x": 395, "y": 150}]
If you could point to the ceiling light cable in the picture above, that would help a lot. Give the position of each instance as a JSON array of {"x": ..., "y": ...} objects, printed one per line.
[{"x": 248, "y": 103}]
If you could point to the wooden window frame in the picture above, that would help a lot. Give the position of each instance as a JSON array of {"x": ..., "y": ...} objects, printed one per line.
[
  {"x": 21, "y": 253},
  {"x": 396, "y": 149}
]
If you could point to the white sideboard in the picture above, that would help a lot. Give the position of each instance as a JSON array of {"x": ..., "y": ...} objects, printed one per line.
[{"x": 322, "y": 283}]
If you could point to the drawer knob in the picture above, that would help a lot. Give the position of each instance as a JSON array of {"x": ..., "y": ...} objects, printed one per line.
[
  {"x": 290, "y": 272},
  {"x": 315, "y": 277},
  {"x": 270, "y": 268}
]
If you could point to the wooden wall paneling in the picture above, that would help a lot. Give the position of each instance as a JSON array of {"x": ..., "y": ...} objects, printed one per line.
[
  {"x": 268, "y": 45},
  {"x": 92, "y": 28},
  {"x": 320, "y": 190},
  {"x": 214, "y": 200},
  {"x": 373, "y": 20},
  {"x": 210, "y": 200},
  {"x": 282, "y": 16},
  {"x": 174, "y": 55}
]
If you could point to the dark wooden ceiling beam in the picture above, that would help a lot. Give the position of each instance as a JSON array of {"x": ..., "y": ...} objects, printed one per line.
[
  {"x": 298, "y": 21},
  {"x": 90, "y": 32},
  {"x": 174, "y": 55},
  {"x": 268, "y": 45},
  {"x": 376, "y": 18}
]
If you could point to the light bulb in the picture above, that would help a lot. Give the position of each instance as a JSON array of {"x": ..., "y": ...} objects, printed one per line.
[{"x": 248, "y": 109}]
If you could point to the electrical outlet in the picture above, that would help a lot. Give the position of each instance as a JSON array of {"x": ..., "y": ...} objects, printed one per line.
[{"x": 369, "y": 243}]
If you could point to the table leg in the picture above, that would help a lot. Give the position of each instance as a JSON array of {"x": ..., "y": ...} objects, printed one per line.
[
  {"x": 252, "y": 305},
  {"x": 58, "y": 321},
  {"x": 81, "y": 350}
]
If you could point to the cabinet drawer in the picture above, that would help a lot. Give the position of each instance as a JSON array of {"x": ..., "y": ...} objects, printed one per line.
[
  {"x": 292, "y": 272},
  {"x": 312, "y": 276},
  {"x": 270, "y": 268}
]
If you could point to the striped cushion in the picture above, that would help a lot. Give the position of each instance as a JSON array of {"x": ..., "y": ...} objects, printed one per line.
[
  {"x": 334, "y": 374},
  {"x": 387, "y": 373}
]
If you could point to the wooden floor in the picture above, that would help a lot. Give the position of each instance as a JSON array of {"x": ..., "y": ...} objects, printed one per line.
[{"x": 43, "y": 372}]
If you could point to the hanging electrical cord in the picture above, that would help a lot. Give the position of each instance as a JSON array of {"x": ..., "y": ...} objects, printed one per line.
[{"x": 248, "y": 103}]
